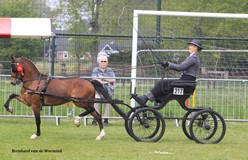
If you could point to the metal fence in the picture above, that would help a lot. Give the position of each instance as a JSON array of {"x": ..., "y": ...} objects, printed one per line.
[{"x": 228, "y": 97}]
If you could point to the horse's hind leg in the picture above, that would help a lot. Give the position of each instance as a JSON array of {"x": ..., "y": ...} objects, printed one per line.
[
  {"x": 96, "y": 116},
  {"x": 77, "y": 118}
]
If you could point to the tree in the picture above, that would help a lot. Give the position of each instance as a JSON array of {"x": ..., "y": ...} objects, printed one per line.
[
  {"x": 79, "y": 16},
  {"x": 19, "y": 47}
]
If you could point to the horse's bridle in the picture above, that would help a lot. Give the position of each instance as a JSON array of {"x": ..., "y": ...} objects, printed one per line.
[{"x": 19, "y": 73}]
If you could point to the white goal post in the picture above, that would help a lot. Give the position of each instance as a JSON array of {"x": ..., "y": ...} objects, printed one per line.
[{"x": 136, "y": 14}]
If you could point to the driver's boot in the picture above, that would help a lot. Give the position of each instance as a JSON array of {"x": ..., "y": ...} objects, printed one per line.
[{"x": 143, "y": 99}]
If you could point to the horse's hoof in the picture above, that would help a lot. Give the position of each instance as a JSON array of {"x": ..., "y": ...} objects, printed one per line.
[
  {"x": 34, "y": 136},
  {"x": 77, "y": 121},
  {"x": 77, "y": 124},
  {"x": 10, "y": 109},
  {"x": 102, "y": 134},
  {"x": 98, "y": 138}
]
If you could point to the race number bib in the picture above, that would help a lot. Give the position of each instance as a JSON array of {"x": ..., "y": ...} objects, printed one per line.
[{"x": 178, "y": 91}]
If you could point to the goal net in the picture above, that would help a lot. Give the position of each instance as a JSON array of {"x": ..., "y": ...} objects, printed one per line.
[{"x": 164, "y": 35}]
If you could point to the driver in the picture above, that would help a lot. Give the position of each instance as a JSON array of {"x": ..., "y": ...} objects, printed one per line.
[{"x": 190, "y": 68}]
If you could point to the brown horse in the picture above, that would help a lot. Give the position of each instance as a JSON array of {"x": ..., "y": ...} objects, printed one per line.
[{"x": 40, "y": 90}]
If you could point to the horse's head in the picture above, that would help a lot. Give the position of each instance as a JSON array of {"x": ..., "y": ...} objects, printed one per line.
[
  {"x": 17, "y": 71},
  {"x": 23, "y": 70}
]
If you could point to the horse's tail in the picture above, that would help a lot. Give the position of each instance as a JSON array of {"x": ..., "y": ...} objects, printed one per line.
[
  {"x": 104, "y": 93},
  {"x": 100, "y": 90}
]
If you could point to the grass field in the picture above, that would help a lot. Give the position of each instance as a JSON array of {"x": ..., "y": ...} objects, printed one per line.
[{"x": 79, "y": 143}]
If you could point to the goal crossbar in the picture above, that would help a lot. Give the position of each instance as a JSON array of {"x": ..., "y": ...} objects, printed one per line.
[{"x": 189, "y": 14}]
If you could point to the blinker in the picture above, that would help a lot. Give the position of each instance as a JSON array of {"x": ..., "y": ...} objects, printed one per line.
[{"x": 13, "y": 67}]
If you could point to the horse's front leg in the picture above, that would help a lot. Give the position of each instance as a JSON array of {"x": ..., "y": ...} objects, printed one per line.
[
  {"x": 6, "y": 105},
  {"x": 36, "y": 110},
  {"x": 12, "y": 96}
]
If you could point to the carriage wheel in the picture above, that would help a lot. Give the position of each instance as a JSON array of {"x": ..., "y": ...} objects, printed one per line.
[
  {"x": 185, "y": 123},
  {"x": 129, "y": 114},
  {"x": 146, "y": 125},
  {"x": 187, "y": 119},
  {"x": 207, "y": 127}
]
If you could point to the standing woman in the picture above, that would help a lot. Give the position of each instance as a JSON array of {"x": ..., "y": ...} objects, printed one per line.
[{"x": 106, "y": 77}]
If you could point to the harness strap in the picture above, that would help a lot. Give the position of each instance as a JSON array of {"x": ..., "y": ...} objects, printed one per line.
[
  {"x": 38, "y": 85},
  {"x": 43, "y": 90}
]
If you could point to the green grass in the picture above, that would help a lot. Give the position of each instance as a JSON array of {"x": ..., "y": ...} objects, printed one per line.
[{"x": 80, "y": 143}]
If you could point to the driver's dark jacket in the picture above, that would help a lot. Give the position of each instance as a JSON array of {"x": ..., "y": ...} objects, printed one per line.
[{"x": 190, "y": 66}]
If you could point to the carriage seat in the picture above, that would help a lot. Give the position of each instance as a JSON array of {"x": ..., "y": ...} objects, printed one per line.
[
  {"x": 182, "y": 87},
  {"x": 180, "y": 91}
]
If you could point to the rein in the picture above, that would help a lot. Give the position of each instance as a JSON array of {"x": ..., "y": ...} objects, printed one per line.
[
  {"x": 76, "y": 99},
  {"x": 30, "y": 80}
]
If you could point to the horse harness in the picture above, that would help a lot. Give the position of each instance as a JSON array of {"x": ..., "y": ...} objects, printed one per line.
[{"x": 41, "y": 92}]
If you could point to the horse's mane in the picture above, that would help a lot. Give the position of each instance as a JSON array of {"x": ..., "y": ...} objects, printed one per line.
[
  {"x": 28, "y": 62},
  {"x": 26, "y": 59}
]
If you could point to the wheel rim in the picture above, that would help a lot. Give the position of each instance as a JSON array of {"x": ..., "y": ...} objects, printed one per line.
[{"x": 207, "y": 127}]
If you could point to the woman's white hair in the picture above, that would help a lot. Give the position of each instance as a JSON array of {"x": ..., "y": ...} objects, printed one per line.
[{"x": 99, "y": 58}]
